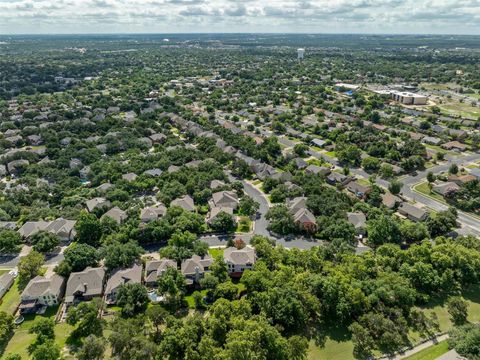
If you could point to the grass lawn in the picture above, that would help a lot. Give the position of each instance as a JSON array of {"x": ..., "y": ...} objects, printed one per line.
[
  {"x": 337, "y": 345},
  {"x": 423, "y": 189},
  {"x": 244, "y": 224},
  {"x": 363, "y": 182},
  {"x": 21, "y": 339},
  {"x": 314, "y": 162},
  {"x": 11, "y": 299},
  {"x": 216, "y": 252},
  {"x": 331, "y": 154},
  {"x": 440, "y": 308},
  {"x": 191, "y": 302},
  {"x": 430, "y": 353}
]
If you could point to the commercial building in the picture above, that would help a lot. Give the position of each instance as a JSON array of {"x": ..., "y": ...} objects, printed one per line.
[{"x": 408, "y": 98}]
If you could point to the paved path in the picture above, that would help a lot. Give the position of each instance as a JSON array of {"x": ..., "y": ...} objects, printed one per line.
[{"x": 420, "y": 347}]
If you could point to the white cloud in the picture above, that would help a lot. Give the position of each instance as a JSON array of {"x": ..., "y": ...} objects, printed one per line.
[{"x": 379, "y": 16}]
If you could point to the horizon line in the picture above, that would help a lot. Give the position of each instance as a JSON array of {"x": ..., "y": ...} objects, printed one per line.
[{"x": 240, "y": 33}]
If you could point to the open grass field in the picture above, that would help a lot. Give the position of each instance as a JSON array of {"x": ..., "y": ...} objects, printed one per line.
[
  {"x": 21, "y": 338},
  {"x": 430, "y": 353},
  {"x": 11, "y": 299},
  {"x": 336, "y": 344}
]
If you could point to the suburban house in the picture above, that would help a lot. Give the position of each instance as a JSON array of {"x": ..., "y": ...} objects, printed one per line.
[
  {"x": 412, "y": 212},
  {"x": 97, "y": 202},
  {"x": 6, "y": 282},
  {"x": 358, "y": 189},
  {"x": 155, "y": 269},
  {"x": 317, "y": 170},
  {"x": 152, "y": 213},
  {"x": 318, "y": 142},
  {"x": 85, "y": 285},
  {"x": 215, "y": 184},
  {"x": 445, "y": 188},
  {"x": 239, "y": 260},
  {"x": 32, "y": 227},
  {"x": 42, "y": 291},
  {"x": 301, "y": 215},
  {"x": 300, "y": 163},
  {"x": 224, "y": 199},
  {"x": 194, "y": 268},
  {"x": 359, "y": 221},
  {"x": 129, "y": 177},
  {"x": 454, "y": 145},
  {"x": 432, "y": 140},
  {"x": 121, "y": 277},
  {"x": 116, "y": 214},
  {"x": 185, "y": 202},
  {"x": 390, "y": 201},
  {"x": 217, "y": 210},
  {"x": 336, "y": 178},
  {"x": 64, "y": 229},
  {"x": 462, "y": 179}
]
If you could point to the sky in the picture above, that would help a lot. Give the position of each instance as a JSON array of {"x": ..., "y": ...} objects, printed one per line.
[{"x": 210, "y": 16}]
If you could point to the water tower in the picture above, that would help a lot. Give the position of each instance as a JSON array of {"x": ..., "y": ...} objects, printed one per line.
[{"x": 300, "y": 53}]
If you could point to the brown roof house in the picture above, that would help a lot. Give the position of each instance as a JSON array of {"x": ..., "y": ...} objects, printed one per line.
[
  {"x": 42, "y": 291},
  {"x": 94, "y": 203},
  {"x": 239, "y": 260},
  {"x": 85, "y": 285},
  {"x": 121, "y": 277},
  {"x": 185, "y": 202},
  {"x": 155, "y": 269},
  {"x": 117, "y": 214},
  {"x": 152, "y": 213},
  {"x": 301, "y": 215},
  {"x": 359, "y": 190},
  {"x": 194, "y": 268},
  {"x": 446, "y": 188},
  {"x": 224, "y": 199}
]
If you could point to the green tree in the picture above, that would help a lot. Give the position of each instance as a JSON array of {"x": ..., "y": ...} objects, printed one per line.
[
  {"x": 6, "y": 325},
  {"x": 89, "y": 229},
  {"x": 29, "y": 266},
  {"x": 44, "y": 328},
  {"x": 93, "y": 348},
  {"x": 118, "y": 255},
  {"x": 133, "y": 298},
  {"x": 46, "y": 351},
  {"x": 223, "y": 222},
  {"x": 453, "y": 169},
  {"x": 465, "y": 340},
  {"x": 77, "y": 258},
  {"x": 458, "y": 309},
  {"x": 44, "y": 241},
  {"x": 172, "y": 285},
  {"x": 85, "y": 316},
  {"x": 10, "y": 242},
  {"x": 395, "y": 187},
  {"x": 383, "y": 230},
  {"x": 247, "y": 206}
]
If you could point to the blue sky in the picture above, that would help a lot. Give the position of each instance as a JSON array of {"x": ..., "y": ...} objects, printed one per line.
[{"x": 302, "y": 16}]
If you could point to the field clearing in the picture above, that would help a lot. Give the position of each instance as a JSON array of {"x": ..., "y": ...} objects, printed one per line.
[{"x": 430, "y": 353}]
